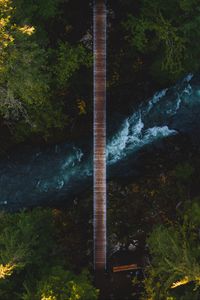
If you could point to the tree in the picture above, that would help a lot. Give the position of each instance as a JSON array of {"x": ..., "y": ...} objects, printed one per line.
[
  {"x": 167, "y": 33},
  {"x": 69, "y": 60},
  {"x": 33, "y": 260},
  {"x": 24, "y": 76},
  {"x": 64, "y": 285},
  {"x": 175, "y": 270},
  {"x": 21, "y": 239},
  {"x": 34, "y": 71}
]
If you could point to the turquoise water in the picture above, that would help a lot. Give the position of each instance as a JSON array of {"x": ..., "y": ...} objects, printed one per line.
[{"x": 34, "y": 177}]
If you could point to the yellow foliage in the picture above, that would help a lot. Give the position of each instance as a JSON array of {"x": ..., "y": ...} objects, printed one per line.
[
  {"x": 5, "y": 5},
  {"x": 6, "y": 270},
  {"x": 183, "y": 281},
  {"x": 5, "y": 16},
  {"x": 48, "y": 297},
  {"x": 29, "y": 30},
  {"x": 7, "y": 29},
  {"x": 81, "y": 106}
]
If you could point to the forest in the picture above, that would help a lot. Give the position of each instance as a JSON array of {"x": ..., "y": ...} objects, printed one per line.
[{"x": 46, "y": 101}]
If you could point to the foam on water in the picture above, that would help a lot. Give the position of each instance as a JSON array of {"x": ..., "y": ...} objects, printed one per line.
[
  {"x": 28, "y": 179},
  {"x": 137, "y": 130},
  {"x": 132, "y": 137}
]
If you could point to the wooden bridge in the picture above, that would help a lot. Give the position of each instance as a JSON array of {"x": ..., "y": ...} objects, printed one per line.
[{"x": 99, "y": 149}]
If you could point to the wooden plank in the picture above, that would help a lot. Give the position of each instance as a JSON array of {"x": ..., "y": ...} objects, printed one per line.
[{"x": 126, "y": 268}]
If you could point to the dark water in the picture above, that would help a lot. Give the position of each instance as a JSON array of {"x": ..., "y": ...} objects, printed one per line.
[{"x": 31, "y": 177}]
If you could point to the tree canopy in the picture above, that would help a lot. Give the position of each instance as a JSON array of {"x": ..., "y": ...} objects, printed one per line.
[
  {"x": 174, "y": 272},
  {"x": 34, "y": 264},
  {"x": 166, "y": 31},
  {"x": 33, "y": 71}
]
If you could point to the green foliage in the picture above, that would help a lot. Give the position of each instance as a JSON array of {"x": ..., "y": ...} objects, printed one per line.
[
  {"x": 24, "y": 84},
  {"x": 25, "y": 100},
  {"x": 168, "y": 32},
  {"x": 38, "y": 13},
  {"x": 33, "y": 73},
  {"x": 165, "y": 38},
  {"x": 69, "y": 60},
  {"x": 32, "y": 10},
  {"x": 183, "y": 172},
  {"x": 26, "y": 65},
  {"x": 22, "y": 238},
  {"x": 64, "y": 285},
  {"x": 31, "y": 255},
  {"x": 175, "y": 258}
]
